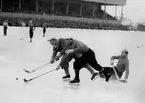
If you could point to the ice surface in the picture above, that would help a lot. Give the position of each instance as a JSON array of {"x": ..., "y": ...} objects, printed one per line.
[{"x": 16, "y": 55}]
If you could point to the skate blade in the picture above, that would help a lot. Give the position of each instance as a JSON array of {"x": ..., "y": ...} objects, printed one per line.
[
  {"x": 68, "y": 79},
  {"x": 74, "y": 84},
  {"x": 95, "y": 78},
  {"x": 113, "y": 79},
  {"x": 123, "y": 81}
]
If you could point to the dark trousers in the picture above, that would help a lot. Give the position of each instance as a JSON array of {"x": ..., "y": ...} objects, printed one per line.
[
  {"x": 110, "y": 71},
  {"x": 65, "y": 64},
  {"x": 31, "y": 34},
  {"x": 5, "y": 31},
  {"x": 86, "y": 58},
  {"x": 44, "y": 30}
]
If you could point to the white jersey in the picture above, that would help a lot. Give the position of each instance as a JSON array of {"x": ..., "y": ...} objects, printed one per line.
[{"x": 5, "y": 24}]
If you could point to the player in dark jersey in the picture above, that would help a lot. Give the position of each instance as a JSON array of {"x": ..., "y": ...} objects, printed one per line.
[
  {"x": 5, "y": 26},
  {"x": 31, "y": 30},
  {"x": 59, "y": 47},
  {"x": 88, "y": 57},
  {"x": 44, "y": 26}
]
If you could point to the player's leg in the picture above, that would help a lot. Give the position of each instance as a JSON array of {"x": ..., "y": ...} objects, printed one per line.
[
  {"x": 87, "y": 66},
  {"x": 44, "y": 31},
  {"x": 31, "y": 36},
  {"x": 91, "y": 70},
  {"x": 90, "y": 58},
  {"x": 107, "y": 73},
  {"x": 78, "y": 64},
  {"x": 5, "y": 31},
  {"x": 65, "y": 65}
]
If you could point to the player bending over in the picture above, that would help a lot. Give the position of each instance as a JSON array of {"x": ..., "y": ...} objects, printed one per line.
[
  {"x": 59, "y": 48},
  {"x": 88, "y": 57}
]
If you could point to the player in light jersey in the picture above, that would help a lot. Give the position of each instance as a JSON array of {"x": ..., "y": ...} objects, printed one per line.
[{"x": 121, "y": 67}]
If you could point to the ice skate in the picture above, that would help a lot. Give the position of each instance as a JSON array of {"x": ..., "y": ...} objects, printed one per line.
[
  {"x": 94, "y": 76},
  {"x": 101, "y": 72},
  {"x": 66, "y": 77},
  {"x": 102, "y": 75},
  {"x": 74, "y": 82},
  {"x": 107, "y": 77}
]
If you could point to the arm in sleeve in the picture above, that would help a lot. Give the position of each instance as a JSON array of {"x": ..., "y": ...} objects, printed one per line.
[
  {"x": 54, "y": 53},
  {"x": 64, "y": 59},
  {"x": 64, "y": 46}
]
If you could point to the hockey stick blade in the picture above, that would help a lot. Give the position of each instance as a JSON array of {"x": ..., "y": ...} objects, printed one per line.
[
  {"x": 25, "y": 80},
  {"x": 27, "y": 71},
  {"x": 140, "y": 46}
]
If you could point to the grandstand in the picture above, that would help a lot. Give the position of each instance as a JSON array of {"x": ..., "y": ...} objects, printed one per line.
[{"x": 89, "y": 11}]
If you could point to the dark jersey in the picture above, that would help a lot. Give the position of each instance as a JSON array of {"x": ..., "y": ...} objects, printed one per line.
[
  {"x": 44, "y": 25},
  {"x": 5, "y": 25},
  {"x": 31, "y": 27},
  {"x": 61, "y": 47}
]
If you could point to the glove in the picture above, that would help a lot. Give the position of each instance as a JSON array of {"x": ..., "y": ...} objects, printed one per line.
[
  {"x": 58, "y": 67},
  {"x": 57, "y": 58},
  {"x": 69, "y": 51},
  {"x": 52, "y": 61},
  {"x": 111, "y": 62},
  {"x": 59, "y": 55}
]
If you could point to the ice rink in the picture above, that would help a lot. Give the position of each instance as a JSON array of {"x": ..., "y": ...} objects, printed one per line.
[{"x": 16, "y": 54}]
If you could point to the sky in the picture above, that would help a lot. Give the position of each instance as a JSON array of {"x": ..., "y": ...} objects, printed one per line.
[{"x": 133, "y": 10}]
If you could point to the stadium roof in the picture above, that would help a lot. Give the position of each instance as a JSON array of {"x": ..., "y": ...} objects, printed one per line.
[
  {"x": 109, "y": 2},
  {"x": 113, "y": 2}
]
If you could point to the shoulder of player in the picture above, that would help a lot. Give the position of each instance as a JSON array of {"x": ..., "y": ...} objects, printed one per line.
[
  {"x": 127, "y": 60},
  {"x": 76, "y": 41},
  {"x": 61, "y": 40}
]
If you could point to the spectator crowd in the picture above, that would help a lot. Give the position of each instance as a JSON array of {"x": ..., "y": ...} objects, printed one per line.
[
  {"x": 13, "y": 21},
  {"x": 30, "y": 7}
]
